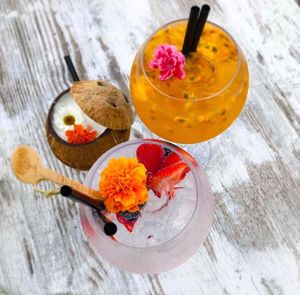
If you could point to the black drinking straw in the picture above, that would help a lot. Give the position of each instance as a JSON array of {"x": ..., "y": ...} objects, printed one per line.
[
  {"x": 109, "y": 227},
  {"x": 190, "y": 30},
  {"x": 71, "y": 68},
  {"x": 201, "y": 22}
]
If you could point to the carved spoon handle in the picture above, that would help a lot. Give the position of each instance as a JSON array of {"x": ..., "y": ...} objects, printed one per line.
[{"x": 46, "y": 173}]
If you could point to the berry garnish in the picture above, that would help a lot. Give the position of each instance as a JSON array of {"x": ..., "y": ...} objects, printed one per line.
[
  {"x": 167, "y": 151},
  {"x": 171, "y": 159},
  {"x": 165, "y": 168},
  {"x": 128, "y": 219},
  {"x": 151, "y": 155},
  {"x": 166, "y": 179}
]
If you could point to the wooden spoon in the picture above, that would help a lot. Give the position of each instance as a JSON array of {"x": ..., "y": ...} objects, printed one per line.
[{"x": 27, "y": 167}]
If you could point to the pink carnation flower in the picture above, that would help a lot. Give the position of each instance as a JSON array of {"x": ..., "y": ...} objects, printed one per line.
[{"x": 169, "y": 61}]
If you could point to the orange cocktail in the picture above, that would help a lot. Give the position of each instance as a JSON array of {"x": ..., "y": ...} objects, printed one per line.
[{"x": 206, "y": 101}]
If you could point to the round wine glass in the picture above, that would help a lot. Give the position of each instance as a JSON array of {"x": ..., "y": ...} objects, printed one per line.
[
  {"x": 204, "y": 103},
  {"x": 167, "y": 230}
]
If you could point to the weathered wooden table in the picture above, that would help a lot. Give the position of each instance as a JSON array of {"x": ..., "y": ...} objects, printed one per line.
[{"x": 254, "y": 244}]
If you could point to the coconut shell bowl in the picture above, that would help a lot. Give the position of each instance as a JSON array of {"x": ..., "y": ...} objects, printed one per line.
[{"x": 86, "y": 120}]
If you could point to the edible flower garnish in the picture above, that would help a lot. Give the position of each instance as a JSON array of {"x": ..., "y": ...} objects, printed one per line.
[
  {"x": 67, "y": 116},
  {"x": 123, "y": 185},
  {"x": 170, "y": 62},
  {"x": 79, "y": 134}
]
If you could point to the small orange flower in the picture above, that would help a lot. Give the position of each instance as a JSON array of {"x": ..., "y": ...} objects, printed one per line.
[
  {"x": 123, "y": 185},
  {"x": 80, "y": 134}
]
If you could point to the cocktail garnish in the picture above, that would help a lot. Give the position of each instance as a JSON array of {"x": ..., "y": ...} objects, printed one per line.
[
  {"x": 171, "y": 159},
  {"x": 79, "y": 134},
  {"x": 167, "y": 168},
  {"x": 69, "y": 120},
  {"x": 151, "y": 155},
  {"x": 128, "y": 219},
  {"x": 123, "y": 185},
  {"x": 66, "y": 116},
  {"x": 166, "y": 179},
  {"x": 169, "y": 61}
]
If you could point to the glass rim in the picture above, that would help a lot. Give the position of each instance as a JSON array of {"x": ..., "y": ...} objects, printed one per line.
[
  {"x": 161, "y": 143},
  {"x": 142, "y": 49}
]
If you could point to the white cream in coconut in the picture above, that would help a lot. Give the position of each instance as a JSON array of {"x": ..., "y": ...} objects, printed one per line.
[{"x": 66, "y": 109}]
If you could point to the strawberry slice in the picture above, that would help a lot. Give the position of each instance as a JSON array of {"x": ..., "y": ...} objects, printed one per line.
[
  {"x": 151, "y": 155},
  {"x": 171, "y": 159},
  {"x": 166, "y": 179}
]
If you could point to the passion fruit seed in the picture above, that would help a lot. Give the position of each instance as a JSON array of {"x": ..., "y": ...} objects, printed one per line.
[
  {"x": 180, "y": 120},
  {"x": 214, "y": 49},
  {"x": 223, "y": 112}
]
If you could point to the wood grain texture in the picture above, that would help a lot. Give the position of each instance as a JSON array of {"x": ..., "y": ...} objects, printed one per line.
[{"x": 254, "y": 245}]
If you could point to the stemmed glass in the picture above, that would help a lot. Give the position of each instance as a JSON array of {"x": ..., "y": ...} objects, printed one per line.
[{"x": 206, "y": 101}]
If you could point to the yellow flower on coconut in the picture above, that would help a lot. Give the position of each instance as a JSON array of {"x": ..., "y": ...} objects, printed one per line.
[{"x": 123, "y": 185}]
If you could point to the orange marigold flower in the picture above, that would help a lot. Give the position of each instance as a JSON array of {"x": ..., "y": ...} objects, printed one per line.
[
  {"x": 80, "y": 134},
  {"x": 123, "y": 185}
]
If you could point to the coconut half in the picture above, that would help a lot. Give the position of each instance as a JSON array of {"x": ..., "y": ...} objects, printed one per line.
[
  {"x": 104, "y": 103},
  {"x": 108, "y": 111}
]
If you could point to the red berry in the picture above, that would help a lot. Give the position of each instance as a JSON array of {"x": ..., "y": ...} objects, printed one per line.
[
  {"x": 128, "y": 219},
  {"x": 151, "y": 155},
  {"x": 171, "y": 159},
  {"x": 166, "y": 179}
]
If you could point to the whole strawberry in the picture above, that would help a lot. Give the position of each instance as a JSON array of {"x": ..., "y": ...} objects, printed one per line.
[{"x": 151, "y": 155}]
